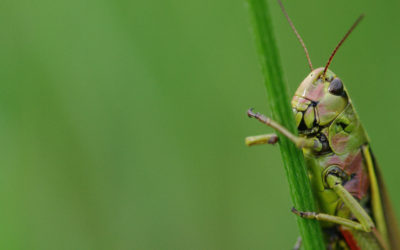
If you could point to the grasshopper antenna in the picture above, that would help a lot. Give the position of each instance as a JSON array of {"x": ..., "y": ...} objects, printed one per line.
[
  {"x": 297, "y": 34},
  {"x": 341, "y": 42}
]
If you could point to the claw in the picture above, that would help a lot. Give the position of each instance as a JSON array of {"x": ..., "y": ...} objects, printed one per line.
[
  {"x": 250, "y": 112},
  {"x": 307, "y": 215},
  {"x": 295, "y": 211}
]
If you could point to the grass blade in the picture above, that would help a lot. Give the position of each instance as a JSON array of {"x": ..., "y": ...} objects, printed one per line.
[{"x": 296, "y": 173}]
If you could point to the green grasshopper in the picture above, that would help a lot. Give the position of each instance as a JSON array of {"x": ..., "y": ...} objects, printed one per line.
[{"x": 352, "y": 202}]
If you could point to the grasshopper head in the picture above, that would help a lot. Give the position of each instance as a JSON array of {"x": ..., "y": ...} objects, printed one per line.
[
  {"x": 318, "y": 101},
  {"x": 321, "y": 97}
]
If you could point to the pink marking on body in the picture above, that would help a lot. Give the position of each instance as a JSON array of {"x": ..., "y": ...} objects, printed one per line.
[
  {"x": 336, "y": 160},
  {"x": 353, "y": 164},
  {"x": 340, "y": 141},
  {"x": 314, "y": 93},
  {"x": 358, "y": 185}
]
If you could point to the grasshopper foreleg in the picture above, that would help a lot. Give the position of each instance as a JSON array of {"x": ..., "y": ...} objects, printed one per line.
[
  {"x": 300, "y": 142},
  {"x": 261, "y": 139}
]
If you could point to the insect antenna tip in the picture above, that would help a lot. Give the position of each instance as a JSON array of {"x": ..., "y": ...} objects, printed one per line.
[{"x": 342, "y": 41}]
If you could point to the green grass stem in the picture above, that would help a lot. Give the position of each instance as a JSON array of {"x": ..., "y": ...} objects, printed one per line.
[{"x": 278, "y": 99}]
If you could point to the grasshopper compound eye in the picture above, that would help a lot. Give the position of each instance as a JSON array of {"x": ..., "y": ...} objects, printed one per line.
[{"x": 336, "y": 87}]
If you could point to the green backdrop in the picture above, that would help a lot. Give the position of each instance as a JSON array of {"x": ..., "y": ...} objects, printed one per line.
[{"x": 122, "y": 123}]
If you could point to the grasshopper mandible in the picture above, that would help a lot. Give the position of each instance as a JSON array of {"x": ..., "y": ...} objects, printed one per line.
[{"x": 353, "y": 205}]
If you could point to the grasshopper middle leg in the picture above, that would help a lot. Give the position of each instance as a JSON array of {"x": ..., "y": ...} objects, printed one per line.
[{"x": 364, "y": 223}]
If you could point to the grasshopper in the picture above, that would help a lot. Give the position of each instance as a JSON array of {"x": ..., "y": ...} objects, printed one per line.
[{"x": 352, "y": 202}]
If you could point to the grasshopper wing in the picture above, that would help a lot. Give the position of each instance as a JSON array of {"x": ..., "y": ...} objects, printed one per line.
[{"x": 387, "y": 213}]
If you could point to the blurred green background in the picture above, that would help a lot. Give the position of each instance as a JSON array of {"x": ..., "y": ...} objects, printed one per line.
[{"x": 122, "y": 122}]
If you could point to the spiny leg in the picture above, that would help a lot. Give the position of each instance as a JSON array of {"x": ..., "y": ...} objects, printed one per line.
[{"x": 300, "y": 142}]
